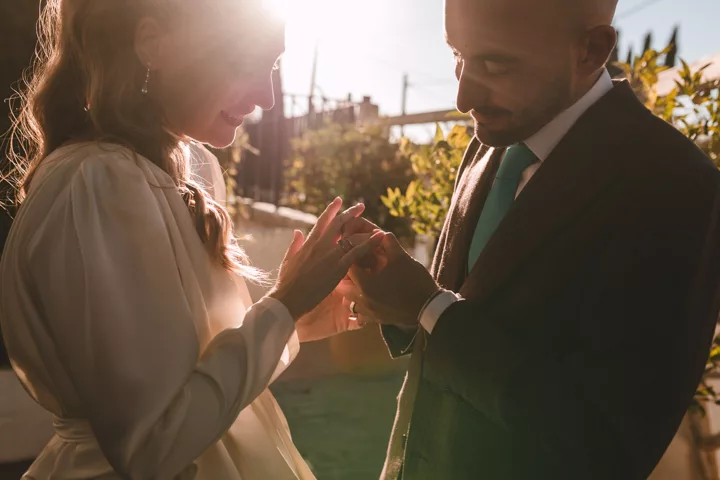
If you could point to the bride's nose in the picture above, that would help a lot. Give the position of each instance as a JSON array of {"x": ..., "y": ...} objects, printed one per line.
[{"x": 263, "y": 94}]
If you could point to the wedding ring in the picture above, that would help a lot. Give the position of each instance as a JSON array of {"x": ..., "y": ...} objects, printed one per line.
[
  {"x": 353, "y": 309},
  {"x": 345, "y": 244}
]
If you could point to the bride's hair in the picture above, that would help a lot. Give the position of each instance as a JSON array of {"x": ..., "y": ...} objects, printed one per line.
[{"x": 86, "y": 84}]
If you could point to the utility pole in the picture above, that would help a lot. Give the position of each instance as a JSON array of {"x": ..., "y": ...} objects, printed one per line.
[
  {"x": 406, "y": 85},
  {"x": 313, "y": 82}
]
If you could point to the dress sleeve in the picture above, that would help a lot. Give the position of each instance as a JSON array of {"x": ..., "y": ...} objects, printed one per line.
[{"x": 124, "y": 331}]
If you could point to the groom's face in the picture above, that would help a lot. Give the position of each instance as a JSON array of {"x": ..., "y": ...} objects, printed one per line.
[{"x": 515, "y": 64}]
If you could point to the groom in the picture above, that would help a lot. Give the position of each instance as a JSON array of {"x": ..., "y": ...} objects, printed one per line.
[{"x": 571, "y": 304}]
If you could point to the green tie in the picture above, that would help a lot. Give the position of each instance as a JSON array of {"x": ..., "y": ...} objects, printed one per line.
[{"x": 517, "y": 158}]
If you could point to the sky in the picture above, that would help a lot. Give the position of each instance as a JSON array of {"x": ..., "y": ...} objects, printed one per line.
[{"x": 366, "y": 46}]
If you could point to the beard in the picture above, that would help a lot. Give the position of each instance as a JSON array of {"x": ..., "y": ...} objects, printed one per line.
[{"x": 526, "y": 122}]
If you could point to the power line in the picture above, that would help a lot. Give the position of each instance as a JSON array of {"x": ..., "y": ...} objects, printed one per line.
[{"x": 636, "y": 9}]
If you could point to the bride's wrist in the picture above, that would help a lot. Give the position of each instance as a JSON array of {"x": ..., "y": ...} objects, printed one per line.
[{"x": 285, "y": 299}]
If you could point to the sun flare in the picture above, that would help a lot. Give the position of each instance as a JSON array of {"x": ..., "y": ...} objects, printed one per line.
[{"x": 311, "y": 17}]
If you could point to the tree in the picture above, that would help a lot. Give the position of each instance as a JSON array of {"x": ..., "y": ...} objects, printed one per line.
[
  {"x": 427, "y": 198},
  {"x": 692, "y": 106},
  {"x": 355, "y": 163}
]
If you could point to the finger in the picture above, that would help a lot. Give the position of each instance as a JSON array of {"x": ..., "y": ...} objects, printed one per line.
[
  {"x": 359, "y": 277},
  {"x": 295, "y": 245},
  {"x": 350, "y": 291},
  {"x": 359, "y": 309},
  {"x": 365, "y": 320},
  {"x": 369, "y": 261},
  {"x": 392, "y": 246},
  {"x": 358, "y": 225},
  {"x": 363, "y": 249},
  {"x": 324, "y": 220},
  {"x": 360, "y": 238},
  {"x": 335, "y": 228},
  {"x": 361, "y": 322}
]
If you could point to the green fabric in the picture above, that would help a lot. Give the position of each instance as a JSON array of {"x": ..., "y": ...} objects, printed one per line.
[{"x": 517, "y": 158}]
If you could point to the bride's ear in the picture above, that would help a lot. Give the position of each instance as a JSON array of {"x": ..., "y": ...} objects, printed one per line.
[{"x": 151, "y": 43}]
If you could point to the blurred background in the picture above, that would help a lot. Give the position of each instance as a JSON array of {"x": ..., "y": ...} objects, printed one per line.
[{"x": 367, "y": 113}]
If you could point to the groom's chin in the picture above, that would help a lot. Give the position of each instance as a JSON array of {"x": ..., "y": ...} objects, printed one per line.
[
  {"x": 502, "y": 138},
  {"x": 495, "y": 138}
]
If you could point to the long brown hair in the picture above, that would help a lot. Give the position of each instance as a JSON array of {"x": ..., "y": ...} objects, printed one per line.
[{"x": 86, "y": 84}]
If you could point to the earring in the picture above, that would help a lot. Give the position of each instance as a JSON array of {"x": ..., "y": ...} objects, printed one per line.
[{"x": 147, "y": 81}]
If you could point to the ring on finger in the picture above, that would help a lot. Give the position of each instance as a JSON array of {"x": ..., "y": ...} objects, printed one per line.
[
  {"x": 345, "y": 244},
  {"x": 353, "y": 309}
]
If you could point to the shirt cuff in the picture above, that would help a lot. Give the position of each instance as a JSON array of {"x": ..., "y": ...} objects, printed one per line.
[{"x": 436, "y": 307}]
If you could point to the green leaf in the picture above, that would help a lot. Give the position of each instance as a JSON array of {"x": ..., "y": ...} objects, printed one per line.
[
  {"x": 410, "y": 193},
  {"x": 439, "y": 134}
]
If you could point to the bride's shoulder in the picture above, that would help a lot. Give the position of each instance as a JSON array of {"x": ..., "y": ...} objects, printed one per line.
[{"x": 96, "y": 163}]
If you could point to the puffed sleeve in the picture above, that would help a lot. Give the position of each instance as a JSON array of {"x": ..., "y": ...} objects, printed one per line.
[{"x": 123, "y": 328}]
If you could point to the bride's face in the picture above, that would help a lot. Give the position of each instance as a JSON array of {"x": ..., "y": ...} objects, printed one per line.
[{"x": 216, "y": 67}]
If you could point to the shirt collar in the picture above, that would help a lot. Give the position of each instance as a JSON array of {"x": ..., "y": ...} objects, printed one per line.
[{"x": 545, "y": 140}]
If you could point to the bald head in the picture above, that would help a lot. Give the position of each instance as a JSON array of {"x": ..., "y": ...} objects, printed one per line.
[
  {"x": 575, "y": 13},
  {"x": 587, "y": 13},
  {"x": 521, "y": 62}
]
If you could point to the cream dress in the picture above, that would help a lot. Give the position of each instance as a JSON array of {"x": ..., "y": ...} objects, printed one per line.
[{"x": 152, "y": 359}]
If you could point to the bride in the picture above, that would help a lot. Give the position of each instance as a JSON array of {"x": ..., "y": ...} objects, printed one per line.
[{"x": 123, "y": 302}]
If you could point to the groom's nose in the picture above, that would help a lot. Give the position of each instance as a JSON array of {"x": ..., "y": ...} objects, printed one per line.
[{"x": 471, "y": 93}]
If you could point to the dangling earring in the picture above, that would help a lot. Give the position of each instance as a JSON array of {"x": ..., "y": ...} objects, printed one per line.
[{"x": 147, "y": 81}]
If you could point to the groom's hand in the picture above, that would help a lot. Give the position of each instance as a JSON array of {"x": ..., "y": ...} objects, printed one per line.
[
  {"x": 396, "y": 293},
  {"x": 357, "y": 228}
]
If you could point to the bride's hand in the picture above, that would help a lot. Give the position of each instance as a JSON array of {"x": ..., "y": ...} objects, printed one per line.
[
  {"x": 332, "y": 316},
  {"x": 312, "y": 268}
]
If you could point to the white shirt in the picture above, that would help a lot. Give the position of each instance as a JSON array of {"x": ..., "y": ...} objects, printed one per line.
[
  {"x": 149, "y": 355},
  {"x": 542, "y": 144}
]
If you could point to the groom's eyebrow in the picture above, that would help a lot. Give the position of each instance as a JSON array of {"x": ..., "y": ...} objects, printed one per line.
[{"x": 488, "y": 57}]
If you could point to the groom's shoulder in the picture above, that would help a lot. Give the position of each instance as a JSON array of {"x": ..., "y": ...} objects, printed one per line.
[
  {"x": 657, "y": 148},
  {"x": 641, "y": 139}
]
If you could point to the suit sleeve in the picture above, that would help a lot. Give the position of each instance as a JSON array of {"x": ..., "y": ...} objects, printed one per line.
[
  {"x": 399, "y": 342},
  {"x": 650, "y": 315}
]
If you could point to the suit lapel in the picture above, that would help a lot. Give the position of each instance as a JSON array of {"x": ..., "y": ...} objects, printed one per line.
[
  {"x": 473, "y": 184},
  {"x": 580, "y": 168}
]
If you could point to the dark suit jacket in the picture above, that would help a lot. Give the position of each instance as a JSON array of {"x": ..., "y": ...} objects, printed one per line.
[{"x": 588, "y": 317}]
